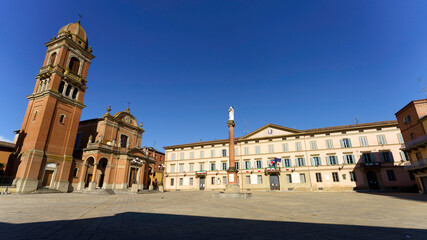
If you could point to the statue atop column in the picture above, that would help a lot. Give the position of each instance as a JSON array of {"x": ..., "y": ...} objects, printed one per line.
[{"x": 231, "y": 114}]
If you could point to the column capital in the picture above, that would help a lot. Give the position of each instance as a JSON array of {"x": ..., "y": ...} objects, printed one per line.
[{"x": 230, "y": 123}]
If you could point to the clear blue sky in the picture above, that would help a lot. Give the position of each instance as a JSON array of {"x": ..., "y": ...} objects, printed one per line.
[{"x": 300, "y": 64}]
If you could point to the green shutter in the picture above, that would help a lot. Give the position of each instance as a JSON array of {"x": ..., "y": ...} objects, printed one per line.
[
  {"x": 344, "y": 159},
  {"x": 342, "y": 143},
  {"x": 402, "y": 154},
  {"x": 349, "y": 143},
  {"x": 373, "y": 157},
  {"x": 390, "y": 154}
]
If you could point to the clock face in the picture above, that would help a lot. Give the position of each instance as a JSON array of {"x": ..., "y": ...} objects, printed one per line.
[{"x": 269, "y": 131}]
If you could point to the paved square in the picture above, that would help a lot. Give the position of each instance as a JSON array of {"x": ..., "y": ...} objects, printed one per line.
[{"x": 195, "y": 215}]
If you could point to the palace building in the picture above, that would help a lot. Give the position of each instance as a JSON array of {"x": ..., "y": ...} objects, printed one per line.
[
  {"x": 55, "y": 150},
  {"x": 353, "y": 157},
  {"x": 413, "y": 123}
]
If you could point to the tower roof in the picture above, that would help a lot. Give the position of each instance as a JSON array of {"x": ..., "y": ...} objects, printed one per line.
[{"x": 77, "y": 33}]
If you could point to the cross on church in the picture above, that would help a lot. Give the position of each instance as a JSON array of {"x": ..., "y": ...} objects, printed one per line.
[
  {"x": 80, "y": 17},
  {"x": 128, "y": 103}
]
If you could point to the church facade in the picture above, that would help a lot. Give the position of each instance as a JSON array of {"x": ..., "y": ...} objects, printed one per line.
[
  {"x": 54, "y": 149},
  {"x": 340, "y": 158}
]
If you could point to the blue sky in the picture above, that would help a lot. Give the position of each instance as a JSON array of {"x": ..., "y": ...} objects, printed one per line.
[{"x": 300, "y": 64}]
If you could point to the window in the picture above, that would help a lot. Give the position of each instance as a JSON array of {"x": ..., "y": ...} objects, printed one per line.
[
  {"x": 213, "y": 166},
  {"x": 381, "y": 139},
  {"x": 407, "y": 119},
  {"x": 287, "y": 162},
  {"x": 248, "y": 179},
  {"x": 259, "y": 178},
  {"x": 271, "y": 148},
  {"x": 349, "y": 159},
  {"x": 173, "y": 156},
  {"x": 224, "y": 166},
  {"x": 390, "y": 175},
  {"x": 399, "y": 136},
  {"x": 74, "y": 95},
  {"x": 288, "y": 178},
  {"x": 302, "y": 177},
  {"x": 212, "y": 153},
  {"x": 181, "y": 167},
  {"x": 335, "y": 177},
  {"x": 313, "y": 145},
  {"x": 202, "y": 154},
  {"x": 318, "y": 177},
  {"x": 258, "y": 164},
  {"x": 181, "y": 181},
  {"x": 404, "y": 156},
  {"x": 191, "y": 167},
  {"x": 213, "y": 180},
  {"x": 172, "y": 181},
  {"x": 332, "y": 160},
  {"x": 224, "y": 152},
  {"x": 191, "y": 181},
  {"x": 172, "y": 168},
  {"x": 61, "y": 118},
  {"x": 246, "y": 149},
  {"x": 368, "y": 157},
  {"x": 363, "y": 141},
  {"x": 257, "y": 150},
  {"x": 76, "y": 170},
  {"x": 247, "y": 165},
  {"x": 35, "y": 115},
  {"x": 300, "y": 162},
  {"x": 386, "y": 156},
  {"x": 315, "y": 161},
  {"x": 237, "y": 165},
  {"x": 285, "y": 147},
  {"x": 346, "y": 143},
  {"x": 352, "y": 177},
  {"x": 52, "y": 59},
  {"x": 236, "y": 152},
  {"x": 192, "y": 155},
  {"x": 61, "y": 87},
  {"x": 329, "y": 144},
  {"x": 74, "y": 65},
  {"x": 224, "y": 180},
  {"x": 181, "y": 156},
  {"x": 298, "y": 146},
  {"x": 202, "y": 166}
]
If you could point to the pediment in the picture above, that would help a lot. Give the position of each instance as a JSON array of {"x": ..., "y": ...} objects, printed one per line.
[
  {"x": 270, "y": 130},
  {"x": 126, "y": 118}
]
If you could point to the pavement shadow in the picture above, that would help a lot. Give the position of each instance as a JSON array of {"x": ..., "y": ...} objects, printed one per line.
[
  {"x": 407, "y": 196},
  {"x": 132, "y": 225}
]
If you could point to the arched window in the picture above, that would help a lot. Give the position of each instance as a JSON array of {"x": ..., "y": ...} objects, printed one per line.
[
  {"x": 52, "y": 59},
  {"x": 76, "y": 170},
  {"x": 61, "y": 87},
  {"x": 76, "y": 90},
  {"x": 67, "y": 92},
  {"x": 74, "y": 65},
  {"x": 61, "y": 119},
  {"x": 35, "y": 115}
]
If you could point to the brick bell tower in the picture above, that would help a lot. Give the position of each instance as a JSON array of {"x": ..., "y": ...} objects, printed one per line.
[{"x": 43, "y": 153}]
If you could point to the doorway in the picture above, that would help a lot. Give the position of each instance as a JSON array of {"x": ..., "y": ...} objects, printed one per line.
[
  {"x": 132, "y": 176},
  {"x": 274, "y": 182},
  {"x": 202, "y": 183},
  {"x": 88, "y": 180},
  {"x": 47, "y": 179},
  {"x": 372, "y": 180}
]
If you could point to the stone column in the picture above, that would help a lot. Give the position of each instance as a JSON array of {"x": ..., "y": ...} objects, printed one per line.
[
  {"x": 83, "y": 174},
  {"x": 232, "y": 185},
  {"x": 92, "y": 185}
]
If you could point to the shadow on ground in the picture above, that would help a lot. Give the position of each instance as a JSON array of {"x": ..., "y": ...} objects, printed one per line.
[
  {"x": 400, "y": 195},
  {"x": 131, "y": 225}
]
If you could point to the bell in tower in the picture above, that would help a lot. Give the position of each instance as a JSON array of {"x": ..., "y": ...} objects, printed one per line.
[{"x": 43, "y": 152}]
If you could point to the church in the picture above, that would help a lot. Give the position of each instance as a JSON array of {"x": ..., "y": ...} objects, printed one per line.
[{"x": 55, "y": 150}]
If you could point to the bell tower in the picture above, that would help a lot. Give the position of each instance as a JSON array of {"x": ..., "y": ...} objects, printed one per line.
[{"x": 43, "y": 153}]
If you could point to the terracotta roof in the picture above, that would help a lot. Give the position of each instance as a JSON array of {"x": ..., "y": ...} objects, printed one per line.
[{"x": 7, "y": 145}]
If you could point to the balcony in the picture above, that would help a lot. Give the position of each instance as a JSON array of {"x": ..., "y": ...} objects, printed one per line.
[
  {"x": 272, "y": 170},
  {"x": 201, "y": 173},
  {"x": 414, "y": 143},
  {"x": 416, "y": 165},
  {"x": 371, "y": 165}
]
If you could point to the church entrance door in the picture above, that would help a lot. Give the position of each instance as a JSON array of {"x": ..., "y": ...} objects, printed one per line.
[
  {"x": 47, "y": 178},
  {"x": 274, "y": 182},
  {"x": 132, "y": 176}
]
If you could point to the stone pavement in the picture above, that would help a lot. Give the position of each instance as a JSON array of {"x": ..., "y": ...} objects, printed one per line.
[{"x": 195, "y": 215}]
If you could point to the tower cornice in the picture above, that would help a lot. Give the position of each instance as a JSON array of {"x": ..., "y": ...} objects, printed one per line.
[
  {"x": 70, "y": 42},
  {"x": 56, "y": 95}
]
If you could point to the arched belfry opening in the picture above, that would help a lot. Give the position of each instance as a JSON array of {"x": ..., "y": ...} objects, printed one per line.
[{"x": 74, "y": 65}]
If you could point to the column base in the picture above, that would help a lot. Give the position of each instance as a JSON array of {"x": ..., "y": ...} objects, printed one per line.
[
  {"x": 232, "y": 188},
  {"x": 26, "y": 185},
  {"x": 61, "y": 186},
  {"x": 92, "y": 186},
  {"x": 151, "y": 187}
]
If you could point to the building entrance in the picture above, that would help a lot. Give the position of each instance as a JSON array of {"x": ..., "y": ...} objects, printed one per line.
[
  {"x": 372, "y": 180},
  {"x": 47, "y": 178},
  {"x": 202, "y": 183},
  {"x": 132, "y": 176},
  {"x": 274, "y": 182}
]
